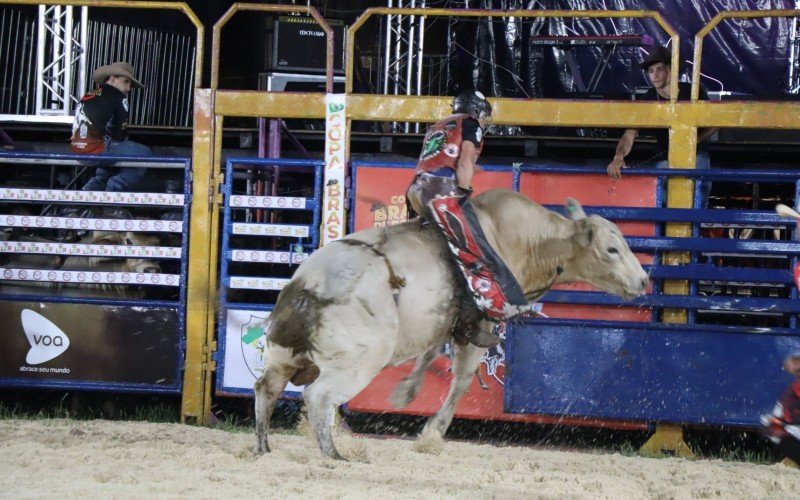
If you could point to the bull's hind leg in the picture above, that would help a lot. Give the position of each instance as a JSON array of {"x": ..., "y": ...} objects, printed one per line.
[
  {"x": 466, "y": 360},
  {"x": 333, "y": 388},
  {"x": 278, "y": 369},
  {"x": 407, "y": 389}
]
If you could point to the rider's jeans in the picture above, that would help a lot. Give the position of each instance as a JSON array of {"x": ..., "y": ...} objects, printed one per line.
[{"x": 108, "y": 178}]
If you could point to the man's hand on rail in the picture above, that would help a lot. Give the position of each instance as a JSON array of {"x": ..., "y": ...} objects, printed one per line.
[{"x": 615, "y": 167}]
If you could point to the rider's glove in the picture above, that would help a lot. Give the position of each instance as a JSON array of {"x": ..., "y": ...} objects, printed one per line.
[{"x": 467, "y": 192}]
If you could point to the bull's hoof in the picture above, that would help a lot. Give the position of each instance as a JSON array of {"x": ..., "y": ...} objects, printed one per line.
[{"x": 260, "y": 450}]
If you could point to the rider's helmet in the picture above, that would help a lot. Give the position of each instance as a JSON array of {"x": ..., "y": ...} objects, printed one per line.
[{"x": 474, "y": 104}]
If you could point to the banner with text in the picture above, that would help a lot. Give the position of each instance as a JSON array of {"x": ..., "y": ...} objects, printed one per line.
[
  {"x": 380, "y": 191},
  {"x": 61, "y": 342},
  {"x": 333, "y": 217}
]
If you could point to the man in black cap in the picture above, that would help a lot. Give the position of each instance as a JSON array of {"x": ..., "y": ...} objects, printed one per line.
[
  {"x": 101, "y": 127},
  {"x": 658, "y": 67}
]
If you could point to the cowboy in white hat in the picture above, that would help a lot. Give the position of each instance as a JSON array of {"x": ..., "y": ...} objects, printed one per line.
[
  {"x": 117, "y": 70},
  {"x": 657, "y": 65},
  {"x": 101, "y": 127}
]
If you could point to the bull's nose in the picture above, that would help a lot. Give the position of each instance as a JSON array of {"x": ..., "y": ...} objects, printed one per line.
[{"x": 645, "y": 281}]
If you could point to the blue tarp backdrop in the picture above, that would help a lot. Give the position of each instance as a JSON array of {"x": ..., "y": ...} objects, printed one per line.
[{"x": 749, "y": 56}]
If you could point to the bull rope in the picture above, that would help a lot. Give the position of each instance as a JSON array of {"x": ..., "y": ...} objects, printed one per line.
[
  {"x": 535, "y": 295},
  {"x": 395, "y": 281}
]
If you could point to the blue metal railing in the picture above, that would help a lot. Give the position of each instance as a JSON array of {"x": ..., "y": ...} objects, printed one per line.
[
  {"x": 693, "y": 373},
  {"x": 698, "y": 372},
  {"x": 242, "y": 322}
]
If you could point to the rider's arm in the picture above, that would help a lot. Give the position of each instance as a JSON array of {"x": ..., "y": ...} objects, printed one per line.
[
  {"x": 118, "y": 127},
  {"x": 471, "y": 135},
  {"x": 466, "y": 164},
  {"x": 623, "y": 148}
]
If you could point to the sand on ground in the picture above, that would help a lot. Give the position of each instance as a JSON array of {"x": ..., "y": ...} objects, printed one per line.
[{"x": 114, "y": 459}]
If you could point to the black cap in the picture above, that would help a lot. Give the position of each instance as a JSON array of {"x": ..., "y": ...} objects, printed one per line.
[{"x": 657, "y": 54}]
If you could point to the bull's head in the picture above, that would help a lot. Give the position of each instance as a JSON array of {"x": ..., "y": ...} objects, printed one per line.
[
  {"x": 133, "y": 263},
  {"x": 602, "y": 257}
]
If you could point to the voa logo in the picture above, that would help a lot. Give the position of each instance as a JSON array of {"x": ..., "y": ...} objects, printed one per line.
[{"x": 46, "y": 339}]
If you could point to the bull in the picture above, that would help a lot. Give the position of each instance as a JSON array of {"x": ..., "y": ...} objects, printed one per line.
[
  {"x": 382, "y": 296},
  {"x": 102, "y": 264}
]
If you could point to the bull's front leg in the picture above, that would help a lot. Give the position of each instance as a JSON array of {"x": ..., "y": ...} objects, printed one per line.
[{"x": 466, "y": 359}]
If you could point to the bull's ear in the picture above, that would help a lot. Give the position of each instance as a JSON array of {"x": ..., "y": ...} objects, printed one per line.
[
  {"x": 584, "y": 232},
  {"x": 574, "y": 209}
]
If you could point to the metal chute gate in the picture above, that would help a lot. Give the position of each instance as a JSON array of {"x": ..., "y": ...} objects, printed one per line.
[
  {"x": 264, "y": 237},
  {"x": 92, "y": 283}
]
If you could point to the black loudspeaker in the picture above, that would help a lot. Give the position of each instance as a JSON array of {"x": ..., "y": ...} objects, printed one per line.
[{"x": 300, "y": 45}]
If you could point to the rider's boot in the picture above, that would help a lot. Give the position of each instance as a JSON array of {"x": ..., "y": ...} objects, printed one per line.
[{"x": 484, "y": 335}]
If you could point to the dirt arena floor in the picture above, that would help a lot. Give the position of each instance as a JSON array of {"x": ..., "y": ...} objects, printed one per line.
[{"x": 112, "y": 459}]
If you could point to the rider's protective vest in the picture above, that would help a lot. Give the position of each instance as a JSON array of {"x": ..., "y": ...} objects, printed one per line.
[{"x": 443, "y": 144}]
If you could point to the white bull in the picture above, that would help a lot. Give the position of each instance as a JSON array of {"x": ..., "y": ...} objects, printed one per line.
[
  {"x": 386, "y": 295},
  {"x": 84, "y": 263}
]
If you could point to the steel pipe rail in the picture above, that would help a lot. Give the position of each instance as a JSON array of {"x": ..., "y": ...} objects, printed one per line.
[
  {"x": 80, "y": 160},
  {"x": 424, "y": 13},
  {"x": 237, "y": 7},
  {"x": 742, "y": 14},
  {"x": 144, "y": 4}
]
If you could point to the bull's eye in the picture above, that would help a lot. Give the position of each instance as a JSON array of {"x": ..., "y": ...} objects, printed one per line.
[{"x": 612, "y": 250}]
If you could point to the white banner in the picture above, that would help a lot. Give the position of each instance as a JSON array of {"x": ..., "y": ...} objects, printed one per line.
[
  {"x": 171, "y": 226},
  {"x": 254, "y": 283},
  {"x": 283, "y": 202},
  {"x": 56, "y": 195},
  {"x": 333, "y": 218},
  {"x": 124, "y": 251},
  {"x": 244, "y": 228},
  {"x": 270, "y": 256},
  {"x": 244, "y": 349},
  {"x": 49, "y": 275}
]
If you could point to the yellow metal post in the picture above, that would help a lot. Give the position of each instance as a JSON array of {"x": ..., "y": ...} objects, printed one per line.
[
  {"x": 198, "y": 364},
  {"x": 680, "y": 194},
  {"x": 667, "y": 437}
]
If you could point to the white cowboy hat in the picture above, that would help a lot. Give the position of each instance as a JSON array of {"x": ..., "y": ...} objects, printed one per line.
[{"x": 116, "y": 69}]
